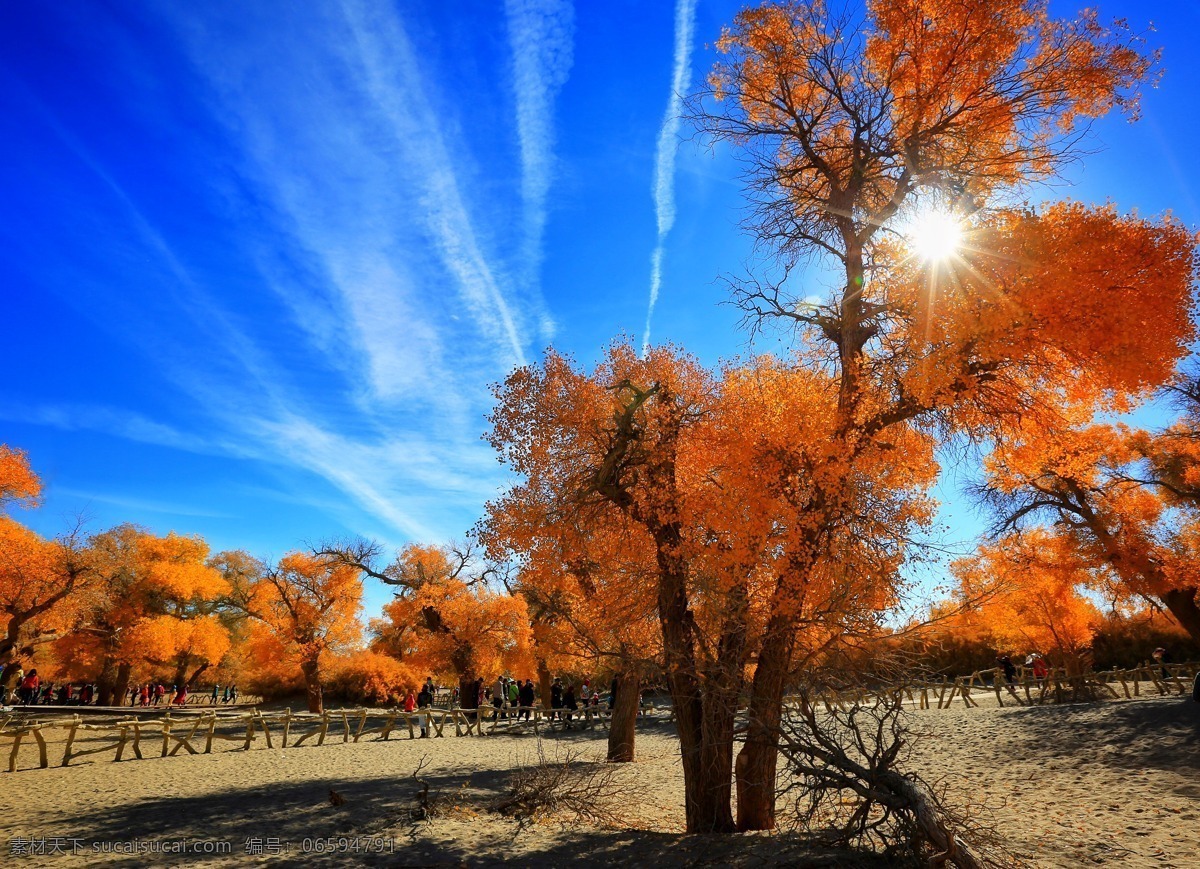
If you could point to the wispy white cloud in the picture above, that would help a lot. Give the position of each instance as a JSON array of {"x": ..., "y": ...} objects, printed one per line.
[
  {"x": 393, "y": 78},
  {"x": 541, "y": 40},
  {"x": 664, "y": 164},
  {"x": 364, "y": 217},
  {"x": 344, "y": 138},
  {"x": 141, "y": 505},
  {"x": 111, "y": 421}
]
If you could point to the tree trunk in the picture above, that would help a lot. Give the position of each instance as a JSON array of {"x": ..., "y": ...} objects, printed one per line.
[
  {"x": 705, "y": 728},
  {"x": 312, "y": 685},
  {"x": 121, "y": 685},
  {"x": 106, "y": 682},
  {"x": 622, "y": 728},
  {"x": 8, "y": 645},
  {"x": 191, "y": 680},
  {"x": 545, "y": 680},
  {"x": 1182, "y": 605},
  {"x": 758, "y": 759},
  {"x": 468, "y": 692},
  {"x": 180, "y": 672}
]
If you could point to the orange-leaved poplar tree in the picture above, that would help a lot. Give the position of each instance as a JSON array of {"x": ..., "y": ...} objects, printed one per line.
[
  {"x": 39, "y": 578},
  {"x": 446, "y": 618},
  {"x": 1031, "y": 587},
  {"x": 148, "y": 605},
  {"x": 1094, "y": 484},
  {"x": 849, "y": 135},
  {"x": 305, "y": 608},
  {"x": 587, "y": 577},
  {"x": 694, "y": 472}
]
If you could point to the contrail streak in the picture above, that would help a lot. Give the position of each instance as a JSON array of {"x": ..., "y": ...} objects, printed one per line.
[{"x": 664, "y": 167}]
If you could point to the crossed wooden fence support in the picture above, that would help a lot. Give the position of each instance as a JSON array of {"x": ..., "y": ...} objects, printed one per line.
[
  {"x": 1056, "y": 685},
  {"x": 195, "y": 734}
]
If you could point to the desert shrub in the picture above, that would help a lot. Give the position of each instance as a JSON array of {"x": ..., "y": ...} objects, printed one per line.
[
  {"x": 566, "y": 788},
  {"x": 1126, "y": 642},
  {"x": 370, "y": 677}
]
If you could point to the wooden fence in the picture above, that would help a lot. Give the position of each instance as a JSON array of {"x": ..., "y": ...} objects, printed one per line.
[
  {"x": 196, "y": 732},
  {"x": 1057, "y": 685},
  {"x": 166, "y": 736}
]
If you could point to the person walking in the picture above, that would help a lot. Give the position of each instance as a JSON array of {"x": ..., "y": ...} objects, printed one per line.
[
  {"x": 556, "y": 697},
  {"x": 1162, "y": 657},
  {"x": 498, "y": 695},
  {"x": 1040, "y": 669},
  {"x": 514, "y": 695},
  {"x": 528, "y": 698},
  {"x": 31, "y": 686},
  {"x": 425, "y": 702},
  {"x": 569, "y": 703},
  {"x": 215, "y": 693}
]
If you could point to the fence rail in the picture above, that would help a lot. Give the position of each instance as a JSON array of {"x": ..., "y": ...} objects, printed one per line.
[
  {"x": 196, "y": 733},
  {"x": 1057, "y": 685}
]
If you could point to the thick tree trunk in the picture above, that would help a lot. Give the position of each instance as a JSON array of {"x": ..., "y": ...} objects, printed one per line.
[
  {"x": 8, "y": 646},
  {"x": 758, "y": 759},
  {"x": 545, "y": 680},
  {"x": 622, "y": 729},
  {"x": 121, "y": 684},
  {"x": 312, "y": 685},
  {"x": 705, "y": 724},
  {"x": 106, "y": 682},
  {"x": 191, "y": 680},
  {"x": 180, "y": 672},
  {"x": 1182, "y": 605},
  {"x": 468, "y": 693}
]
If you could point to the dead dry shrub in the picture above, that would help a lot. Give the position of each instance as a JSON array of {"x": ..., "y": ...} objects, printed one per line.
[
  {"x": 847, "y": 789},
  {"x": 565, "y": 788},
  {"x": 430, "y": 803}
]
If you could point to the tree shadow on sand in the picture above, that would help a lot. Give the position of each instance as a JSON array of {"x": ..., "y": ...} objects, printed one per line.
[
  {"x": 1158, "y": 733},
  {"x": 301, "y": 818}
]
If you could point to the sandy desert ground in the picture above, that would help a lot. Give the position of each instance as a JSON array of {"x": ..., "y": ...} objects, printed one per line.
[{"x": 1115, "y": 783}]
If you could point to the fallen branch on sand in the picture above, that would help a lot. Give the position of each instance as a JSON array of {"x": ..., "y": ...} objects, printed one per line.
[{"x": 851, "y": 793}]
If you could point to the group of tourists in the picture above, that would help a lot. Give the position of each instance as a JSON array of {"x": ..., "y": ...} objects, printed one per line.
[
  {"x": 420, "y": 701},
  {"x": 516, "y": 698},
  {"x": 511, "y": 694},
  {"x": 1034, "y": 661},
  {"x": 153, "y": 694},
  {"x": 29, "y": 690}
]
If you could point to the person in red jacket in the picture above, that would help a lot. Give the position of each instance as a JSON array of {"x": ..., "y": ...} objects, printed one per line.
[{"x": 31, "y": 686}]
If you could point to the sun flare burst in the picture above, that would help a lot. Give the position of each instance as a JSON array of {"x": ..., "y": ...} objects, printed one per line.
[{"x": 935, "y": 236}]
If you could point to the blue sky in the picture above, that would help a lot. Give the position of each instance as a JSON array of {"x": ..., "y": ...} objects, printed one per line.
[{"x": 260, "y": 261}]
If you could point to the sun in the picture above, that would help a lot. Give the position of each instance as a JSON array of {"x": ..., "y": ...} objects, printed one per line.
[{"x": 935, "y": 236}]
